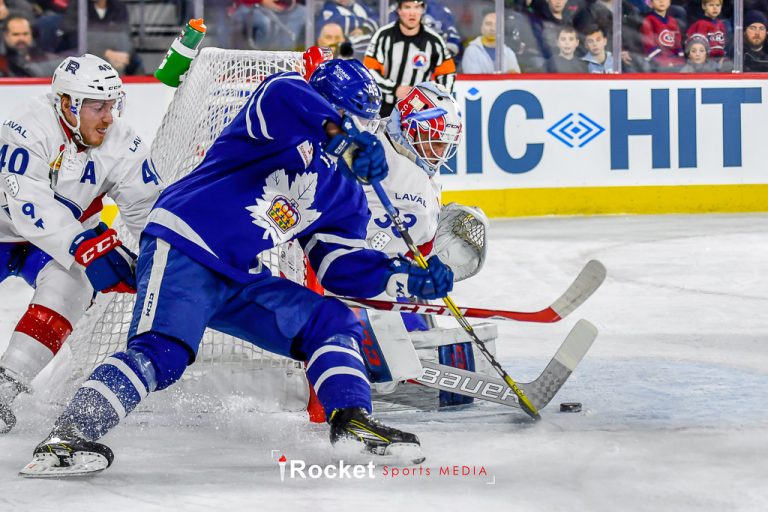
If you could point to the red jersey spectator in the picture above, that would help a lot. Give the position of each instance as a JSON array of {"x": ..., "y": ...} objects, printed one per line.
[
  {"x": 711, "y": 27},
  {"x": 662, "y": 39}
]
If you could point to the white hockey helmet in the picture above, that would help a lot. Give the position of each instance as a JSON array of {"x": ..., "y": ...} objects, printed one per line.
[
  {"x": 86, "y": 77},
  {"x": 427, "y": 123}
]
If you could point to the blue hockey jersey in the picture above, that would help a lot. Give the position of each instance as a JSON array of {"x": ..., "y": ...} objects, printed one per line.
[{"x": 267, "y": 180}]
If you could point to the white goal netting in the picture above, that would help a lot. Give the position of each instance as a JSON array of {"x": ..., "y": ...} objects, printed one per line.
[{"x": 217, "y": 86}]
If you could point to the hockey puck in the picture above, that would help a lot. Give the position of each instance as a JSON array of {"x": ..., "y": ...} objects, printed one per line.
[{"x": 570, "y": 407}]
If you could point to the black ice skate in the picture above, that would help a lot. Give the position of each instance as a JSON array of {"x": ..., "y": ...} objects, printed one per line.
[
  {"x": 64, "y": 453},
  {"x": 387, "y": 442},
  {"x": 9, "y": 390}
]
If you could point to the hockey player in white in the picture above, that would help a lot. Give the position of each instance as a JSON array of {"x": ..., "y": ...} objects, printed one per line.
[
  {"x": 421, "y": 135},
  {"x": 60, "y": 154}
]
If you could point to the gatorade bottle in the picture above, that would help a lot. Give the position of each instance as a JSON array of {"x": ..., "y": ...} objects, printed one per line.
[{"x": 181, "y": 53}]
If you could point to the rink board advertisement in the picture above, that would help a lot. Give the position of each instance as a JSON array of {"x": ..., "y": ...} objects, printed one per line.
[
  {"x": 536, "y": 145},
  {"x": 610, "y": 144}
]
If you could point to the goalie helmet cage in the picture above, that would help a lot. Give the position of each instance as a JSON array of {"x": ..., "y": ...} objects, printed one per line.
[{"x": 217, "y": 86}]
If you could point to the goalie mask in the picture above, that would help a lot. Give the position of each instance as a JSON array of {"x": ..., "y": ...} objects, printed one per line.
[
  {"x": 86, "y": 78},
  {"x": 426, "y": 122}
]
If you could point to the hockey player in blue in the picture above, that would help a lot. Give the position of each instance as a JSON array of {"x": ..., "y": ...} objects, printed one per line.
[{"x": 273, "y": 175}]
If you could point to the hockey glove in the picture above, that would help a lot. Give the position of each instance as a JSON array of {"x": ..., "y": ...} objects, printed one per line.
[
  {"x": 362, "y": 152},
  {"x": 409, "y": 279},
  {"x": 108, "y": 265}
]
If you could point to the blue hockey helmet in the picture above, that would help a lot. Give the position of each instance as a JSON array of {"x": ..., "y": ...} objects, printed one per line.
[{"x": 348, "y": 86}]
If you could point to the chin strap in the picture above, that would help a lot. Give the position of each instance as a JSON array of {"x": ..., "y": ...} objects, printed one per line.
[{"x": 72, "y": 132}]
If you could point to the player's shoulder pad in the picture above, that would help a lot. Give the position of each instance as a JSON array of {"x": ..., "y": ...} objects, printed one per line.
[
  {"x": 123, "y": 143},
  {"x": 30, "y": 125}
]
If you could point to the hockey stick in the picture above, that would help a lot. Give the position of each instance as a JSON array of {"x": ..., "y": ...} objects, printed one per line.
[
  {"x": 540, "y": 391},
  {"x": 525, "y": 403},
  {"x": 589, "y": 279}
]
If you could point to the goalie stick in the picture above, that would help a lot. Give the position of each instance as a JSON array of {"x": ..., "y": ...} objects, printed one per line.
[
  {"x": 589, "y": 279},
  {"x": 540, "y": 391},
  {"x": 524, "y": 402}
]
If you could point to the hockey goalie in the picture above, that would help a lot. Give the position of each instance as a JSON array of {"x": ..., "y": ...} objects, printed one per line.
[{"x": 421, "y": 135}]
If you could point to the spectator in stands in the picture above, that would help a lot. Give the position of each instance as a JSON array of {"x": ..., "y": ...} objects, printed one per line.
[
  {"x": 331, "y": 36},
  {"x": 697, "y": 51},
  {"x": 711, "y": 27},
  {"x": 439, "y": 18},
  {"x": 109, "y": 34},
  {"x": 355, "y": 18},
  {"x": 271, "y": 24},
  {"x": 21, "y": 57},
  {"x": 546, "y": 19},
  {"x": 595, "y": 12},
  {"x": 662, "y": 39},
  {"x": 598, "y": 59},
  {"x": 17, "y": 7},
  {"x": 47, "y": 23},
  {"x": 755, "y": 55},
  {"x": 566, "y": 61},
  {"x": 405, "y": 53},
  {"x": 480, "y": 55}
]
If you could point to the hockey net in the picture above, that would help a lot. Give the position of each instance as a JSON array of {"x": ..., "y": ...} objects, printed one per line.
[{"x": 216, "y": 87}]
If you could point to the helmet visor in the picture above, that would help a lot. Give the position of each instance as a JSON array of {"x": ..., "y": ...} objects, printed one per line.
[{"x": 96, "y": 106}]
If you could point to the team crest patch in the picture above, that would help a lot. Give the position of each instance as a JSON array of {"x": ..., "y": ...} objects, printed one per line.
[
  {"x": 284, "y": 213},
  {"x": 284, "y": 208},
  {"x": 420, "y": 60}
]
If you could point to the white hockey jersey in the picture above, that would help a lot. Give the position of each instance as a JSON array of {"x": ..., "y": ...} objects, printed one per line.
[
  {"x": 414, "y": 194},
  {"x": 52, "y": 192}
]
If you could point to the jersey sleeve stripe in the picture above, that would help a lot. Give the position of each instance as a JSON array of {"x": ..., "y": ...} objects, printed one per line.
[
  {"x": 333, "y": 239},
  {"x": 329, "y": 259}
]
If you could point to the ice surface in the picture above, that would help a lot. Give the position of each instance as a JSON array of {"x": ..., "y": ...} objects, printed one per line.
[{"x": 674, "y": 396}]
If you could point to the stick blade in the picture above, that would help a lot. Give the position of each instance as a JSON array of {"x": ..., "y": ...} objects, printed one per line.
[
  {"x": 542, "y": 390},
  {"x": 586, "y": 283}
]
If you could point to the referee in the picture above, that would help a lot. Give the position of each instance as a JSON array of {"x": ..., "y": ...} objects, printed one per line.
[{"x": 405, "y": 53}]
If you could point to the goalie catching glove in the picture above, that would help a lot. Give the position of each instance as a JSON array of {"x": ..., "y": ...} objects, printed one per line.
[
  {"x": 360, "y": 153},
  {"x": 410, "y": 280},
  {"x": 108, "y": 265},
  {"x": 462, "y": 239}
]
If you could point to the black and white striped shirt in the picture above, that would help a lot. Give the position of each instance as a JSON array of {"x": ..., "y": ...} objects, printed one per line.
[{"x": 396, "y": 59}]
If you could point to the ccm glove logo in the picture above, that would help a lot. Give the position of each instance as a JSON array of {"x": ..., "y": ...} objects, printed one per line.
[
  {"x": 109, "y": 266},
  {"x": 88, "y": 246}
]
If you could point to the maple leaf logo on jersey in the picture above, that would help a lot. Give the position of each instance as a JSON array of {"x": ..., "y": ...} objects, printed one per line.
[{"x": 285, "y": 209}]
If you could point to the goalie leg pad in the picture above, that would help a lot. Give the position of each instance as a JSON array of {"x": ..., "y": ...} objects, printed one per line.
[
  {"x": 387, "y": 347},
  {"x": 459, "y": 355},
  {"x": 112, "y": 391}
]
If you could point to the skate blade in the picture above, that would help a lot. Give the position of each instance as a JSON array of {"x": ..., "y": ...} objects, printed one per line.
[
  {"x": 404, "y": 453},
  {"x": 396, "y": 454},
  {"x": 84, "y": 464}
]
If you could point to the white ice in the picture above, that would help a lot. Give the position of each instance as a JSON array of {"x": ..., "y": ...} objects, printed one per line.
[{"x": 674, "y": 393}]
